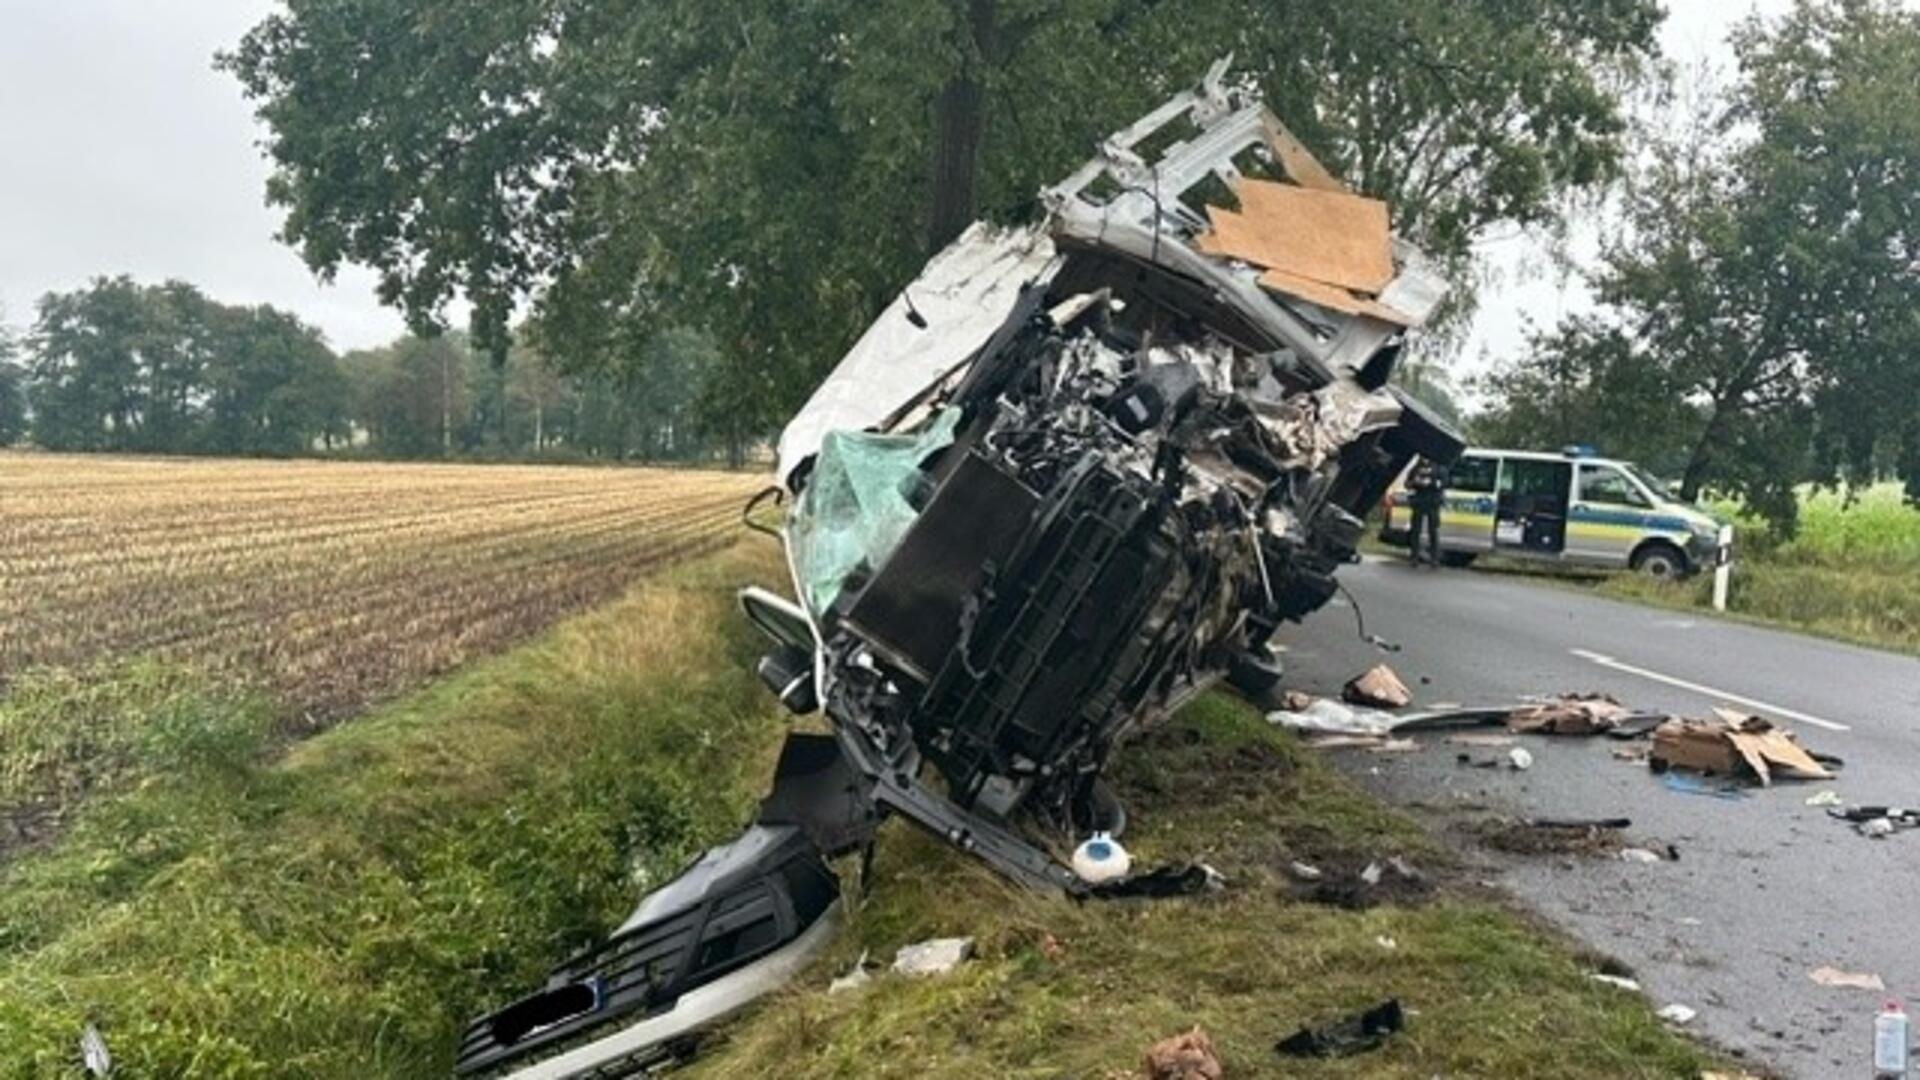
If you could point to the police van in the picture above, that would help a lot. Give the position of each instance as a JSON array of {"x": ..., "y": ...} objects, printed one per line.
[{"x": 1567, "y": 507}]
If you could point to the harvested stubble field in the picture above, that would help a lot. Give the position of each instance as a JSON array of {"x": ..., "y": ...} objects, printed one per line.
[{"x": 331, "y": 584}]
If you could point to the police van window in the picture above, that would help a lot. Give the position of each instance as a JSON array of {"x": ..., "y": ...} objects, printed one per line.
[
  {"x": 1608, "y": 485},
  {"x": 1473, "y": 474}
]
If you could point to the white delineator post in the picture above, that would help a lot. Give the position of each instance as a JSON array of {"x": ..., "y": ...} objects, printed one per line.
[{"x": 1722, "y": 567}]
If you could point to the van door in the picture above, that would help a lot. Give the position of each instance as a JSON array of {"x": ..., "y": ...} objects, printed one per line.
[
  {"x": 1466, "y": 517},
  {"x": 1530, "y": 512},
  {"x": 1609, "y": 515}
]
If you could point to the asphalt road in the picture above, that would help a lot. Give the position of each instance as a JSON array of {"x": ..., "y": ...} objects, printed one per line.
[{"x": 1766, "y": 888}]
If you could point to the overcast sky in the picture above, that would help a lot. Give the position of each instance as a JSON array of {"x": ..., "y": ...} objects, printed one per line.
[{"x": 123, "y": 151}]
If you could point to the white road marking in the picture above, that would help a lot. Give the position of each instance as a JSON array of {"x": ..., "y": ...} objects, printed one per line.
[{"x": 1765, "y": 707}]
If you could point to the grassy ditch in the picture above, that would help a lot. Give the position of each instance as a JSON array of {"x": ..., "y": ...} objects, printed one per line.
[{"x": 341, "y": 911}]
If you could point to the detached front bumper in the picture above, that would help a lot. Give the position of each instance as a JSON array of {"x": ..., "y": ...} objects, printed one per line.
[{"x": 736, "y": 924}]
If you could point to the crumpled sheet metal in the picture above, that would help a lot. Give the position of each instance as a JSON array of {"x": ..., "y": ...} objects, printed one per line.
[{"x": 965, "y": 293}]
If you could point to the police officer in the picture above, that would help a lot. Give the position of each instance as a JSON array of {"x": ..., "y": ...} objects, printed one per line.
[{"x": 1426, "y": 490}]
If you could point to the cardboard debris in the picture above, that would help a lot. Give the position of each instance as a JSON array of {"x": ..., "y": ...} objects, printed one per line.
[
  {"x": 1569, "y": 714},
  {"x": 1828, "y": 976},
  {"x": 1767, "y": 749},
  {"x": 1316, "y": 242},
  {"x": 1734, "y": 744},
  {"x": 1295, "y": 701},
  {"x": 1378, "y": 687},
  {"x": 1184, "y": 1057}
]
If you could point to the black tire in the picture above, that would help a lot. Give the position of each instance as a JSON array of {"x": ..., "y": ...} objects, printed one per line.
[
  {"x": 1255, "y": 677},
  {"x": 1459, "y": 560},
  {"x": 1660, "y": 560}
]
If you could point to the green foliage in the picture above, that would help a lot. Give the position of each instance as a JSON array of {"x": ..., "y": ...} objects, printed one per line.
[
  {"x": 770, "y": 174},
  {"x": 1760, "y": 325},
  {"x": 64, "y": 733},
  {"x": 121, "y": 366}
]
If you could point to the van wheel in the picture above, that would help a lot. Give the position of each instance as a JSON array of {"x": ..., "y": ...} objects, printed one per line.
[
  {"x": 1256, "y": 677},
  {"x": 1660, "y": 561},
  {"x": 1457, "y": 559}
]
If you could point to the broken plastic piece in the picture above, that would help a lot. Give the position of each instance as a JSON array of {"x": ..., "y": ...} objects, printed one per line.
[
  {"x": 1184, "y": 880},
  {"x": 1351, "y": 1035},
  {"x": 93, "y": 1052},
  {"x": 1850, "y": 980},
  {"x": 1677, "y": 1014},
  {"x": 935, "y": 957}
]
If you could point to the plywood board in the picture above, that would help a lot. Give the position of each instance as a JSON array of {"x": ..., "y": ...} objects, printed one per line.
[{"x": 1326, "y": 236}]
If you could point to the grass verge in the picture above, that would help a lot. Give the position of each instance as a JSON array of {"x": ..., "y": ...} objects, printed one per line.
[
  {"x": 1060, "y": 990},
  {"x": 342, "y": 911}
]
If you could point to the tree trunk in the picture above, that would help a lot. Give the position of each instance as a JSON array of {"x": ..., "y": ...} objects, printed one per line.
[
  {"x": 539, "y": 426},
  {"x": 446, "y": 407},
  {"x": 1695, "y": 475},
  {"x": 959, "y": 129}
]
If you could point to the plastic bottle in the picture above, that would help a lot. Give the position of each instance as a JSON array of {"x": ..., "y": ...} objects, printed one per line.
[
  {"x": 1101, "y": 858},
  {"x": 1890, "y": 1043}
]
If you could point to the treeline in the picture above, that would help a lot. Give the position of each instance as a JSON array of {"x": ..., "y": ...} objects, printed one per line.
[
  {"x": 1757, "y": 327},
  {"x": 121, "y": 366}
]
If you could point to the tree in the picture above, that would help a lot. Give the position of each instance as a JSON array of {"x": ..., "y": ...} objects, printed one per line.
[
  {"x": 13, "y": 389},
  {"x": 121, "y": 366},
  {"x": 1759, "y": 323},
  {"x": 770, "y": 173}
]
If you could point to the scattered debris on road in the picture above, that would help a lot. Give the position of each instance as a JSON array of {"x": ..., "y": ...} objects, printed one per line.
[
  {"x": 935, "y": 957},
  {"x": 1377, "y": 687},
  {"x": 1188, "y": 1056},
  {"x": 1519, "y": 758},
  {"x": 1325, "y": 716},
  {"x": 1850, "y": 980},
  {"x": 1829, "y": 797},
  {"x": 1580, "y": 823},
  {"x": 1733, "y": 744},
  {"x": 1694, "y": 785},
  {"x": 1347, "y": 1036},
  {"x": 1679, "y": 1015},
  {"x": 1639, "y": 855},
  {"x": 1569, "y": 714},
  {"x": 1878, "y": 822},
  {"x": 1597, "y": 840},
  {"x": 1295, "y": 700},
  {"x": 1618, "y": 981},
  {"x": 1473, "y": 739}
]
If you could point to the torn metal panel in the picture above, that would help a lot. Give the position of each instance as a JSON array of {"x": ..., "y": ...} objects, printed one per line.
[{"x": 964, "y": 295}]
